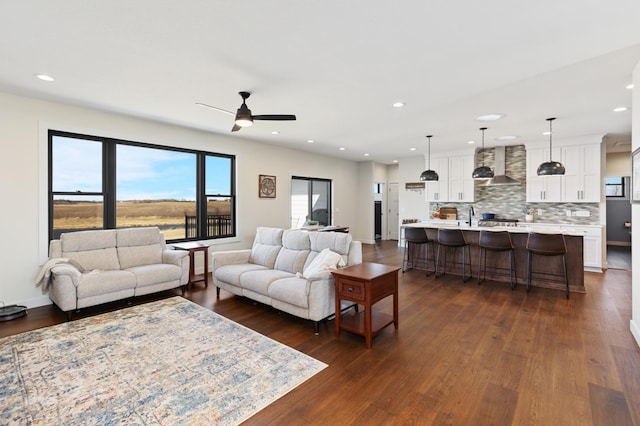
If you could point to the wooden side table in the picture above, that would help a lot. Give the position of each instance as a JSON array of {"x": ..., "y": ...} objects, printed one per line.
[
  {"x": 194, "y": 248},
  {"x": 366, "y": 284}
]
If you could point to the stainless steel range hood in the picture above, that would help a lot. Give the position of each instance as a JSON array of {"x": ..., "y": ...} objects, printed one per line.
[{"x": 500, "y": 177}]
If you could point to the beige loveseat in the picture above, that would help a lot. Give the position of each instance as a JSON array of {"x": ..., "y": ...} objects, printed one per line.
[
  {"x": 105, "y": 265},
  {"x": 279, "y": 270}
]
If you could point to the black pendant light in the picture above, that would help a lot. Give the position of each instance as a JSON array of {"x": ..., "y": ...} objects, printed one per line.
[
  {"x": 550, "y": 167},
  {"x": 482, "y": 172},
  {"x": 429, "y": 175}
]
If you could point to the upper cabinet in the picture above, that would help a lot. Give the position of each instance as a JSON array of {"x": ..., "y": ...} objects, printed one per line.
[
  {"x": 542, "y": 188},
  {"x": 455, "y": 183},
  {"x": 461, "y": 185},
  {"x": 438, "y": 191},
  {"x": 581, "y": 181}
]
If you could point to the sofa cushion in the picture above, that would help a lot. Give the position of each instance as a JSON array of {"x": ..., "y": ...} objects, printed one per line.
[
  {"x": 266, "y": 245},
  {"x": 259, "y": 281},
  {"x": 139, "y": 246},
  {"x": 326, "y": 260},
  {"x": 231, "y": 273},
  {"x": 156, "y": 273},
  {"x": 294, "y": 252},
  {"x": 91, "y": 249},
  {"x": 292, "y": 290},
  {"x": 104, "y": 282}
]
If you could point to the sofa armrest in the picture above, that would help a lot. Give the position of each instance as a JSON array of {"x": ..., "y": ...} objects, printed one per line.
[
  {"x": 174, "y": 257},
  {"x": 231, "y": 257},
  {"x": 59, "y": 271}
]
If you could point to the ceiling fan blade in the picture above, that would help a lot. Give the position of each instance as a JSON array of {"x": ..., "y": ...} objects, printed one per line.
[
  {"x": 235, "y": 128},
  {"x": 274, "y": 117},
  {"x": 216, "y": 108}
]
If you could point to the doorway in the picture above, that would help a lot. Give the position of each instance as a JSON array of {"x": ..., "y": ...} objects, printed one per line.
[{"x": 617, "y": 190}]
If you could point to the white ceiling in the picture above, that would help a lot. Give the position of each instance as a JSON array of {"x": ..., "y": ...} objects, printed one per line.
[{"x": 337, "y": 65}]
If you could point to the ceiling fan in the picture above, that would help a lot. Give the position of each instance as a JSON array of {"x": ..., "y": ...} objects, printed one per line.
[{"x": 244, "y": 118}]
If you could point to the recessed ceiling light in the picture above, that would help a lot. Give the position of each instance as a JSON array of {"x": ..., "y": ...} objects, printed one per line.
[
  {"x": 620, "y": 109},
  {"x": 366, "y": 154},
  {"x": 630, "y": 86},
  {"x": 506, "y": 138},
  {"x": 275, "y": 132},
  {"x": 471, "y": 142},
  {"x": 398, "y": 104},
  {"x": 412, "y": 149},
  {"x": 395, "y": 161},
  {"x": 310, "y": 141},
  {"x": 489, "y": 117},
  {"x": 342, "y": 148},
  {"x": 547, "y": 133},
  {"x": 45, "y": 77}
]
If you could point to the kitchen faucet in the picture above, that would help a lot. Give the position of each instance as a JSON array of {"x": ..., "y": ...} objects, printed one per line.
[{"x": 472, "y": 212}]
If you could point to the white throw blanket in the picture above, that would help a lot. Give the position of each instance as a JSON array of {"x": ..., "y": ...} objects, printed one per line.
[{"x": 44, "y": 276}]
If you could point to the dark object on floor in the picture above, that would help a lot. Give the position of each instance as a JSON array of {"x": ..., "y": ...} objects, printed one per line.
[{"x": 10, "y": 312}]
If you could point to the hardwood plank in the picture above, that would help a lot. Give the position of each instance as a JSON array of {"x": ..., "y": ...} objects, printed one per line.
[{"x": 608, "y": 407}]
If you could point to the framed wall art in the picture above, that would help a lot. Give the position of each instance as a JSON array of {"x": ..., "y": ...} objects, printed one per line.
[
  {"x": 266, "y": 186},
  {"x": 635, "y": 176}
]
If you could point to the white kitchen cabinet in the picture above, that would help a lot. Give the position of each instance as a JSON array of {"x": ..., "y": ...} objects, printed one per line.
[
  {"x": 438, "y": 191},
  {"x": 542, "y": 188},
  {"x": 592, "y": 245},
  {"x": 461, "y": 184},
  {"x": 581, "y": 181}
]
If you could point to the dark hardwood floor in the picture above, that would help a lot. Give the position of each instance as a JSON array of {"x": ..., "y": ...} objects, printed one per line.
[{"x": 464, "y": 354}]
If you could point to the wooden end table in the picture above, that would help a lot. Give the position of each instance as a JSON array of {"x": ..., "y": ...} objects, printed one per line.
[
  {"x": 194, "y": 248},
  {"x": 366, "y": 284}
]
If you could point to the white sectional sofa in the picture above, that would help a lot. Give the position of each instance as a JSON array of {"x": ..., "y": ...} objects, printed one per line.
[
  {"x": 273, "y": 270},
  {"x": 105, "y": 265}
]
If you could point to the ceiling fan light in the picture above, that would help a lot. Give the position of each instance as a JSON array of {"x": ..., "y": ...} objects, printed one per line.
[
  {"x": 482, "y": 172},
  {"x": 244, "y": 122},
  {"x": 429, "y": 176}
]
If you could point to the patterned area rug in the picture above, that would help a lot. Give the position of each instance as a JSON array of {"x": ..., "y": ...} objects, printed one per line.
[{"x": 168, "y": 362}]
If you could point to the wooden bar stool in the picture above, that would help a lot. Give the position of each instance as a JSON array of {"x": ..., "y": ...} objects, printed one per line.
[
  {"x": 417, "y": 240},
  {"x": 497, "y": 242},
  {"x": 453, "y": 239},
  {"x": 546, "y": 245}
]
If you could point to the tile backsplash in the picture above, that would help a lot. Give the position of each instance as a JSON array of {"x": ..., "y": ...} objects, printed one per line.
[{"x": 510, "y": 201}]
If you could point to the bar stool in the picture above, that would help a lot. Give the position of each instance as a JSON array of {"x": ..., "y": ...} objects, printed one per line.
[
  {"x": 546, "y": 245},
  {"x": 496, "y": 241},
  {"x": 414, "y": 240},
  {"x": 453, "y": 238}
]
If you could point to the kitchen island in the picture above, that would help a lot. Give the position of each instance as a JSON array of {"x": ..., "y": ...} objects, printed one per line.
[{"x": 519, "y": 234}]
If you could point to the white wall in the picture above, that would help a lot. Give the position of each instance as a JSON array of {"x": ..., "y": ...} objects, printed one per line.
[
  {"x": 413, "y": 204},
  {"x": 635, "y": 213},
  {"x": 23, "y": 176}
]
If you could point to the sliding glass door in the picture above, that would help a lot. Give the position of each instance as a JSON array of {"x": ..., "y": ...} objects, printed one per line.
[{"x": 310, "y": 201}]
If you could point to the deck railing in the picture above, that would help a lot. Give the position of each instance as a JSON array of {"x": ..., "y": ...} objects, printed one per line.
[{"x": 218, "y": 225}]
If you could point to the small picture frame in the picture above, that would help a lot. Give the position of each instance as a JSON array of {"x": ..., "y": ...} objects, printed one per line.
[
  {"x": 635, "y": 176},
  {"x": 266, "y": 186}
]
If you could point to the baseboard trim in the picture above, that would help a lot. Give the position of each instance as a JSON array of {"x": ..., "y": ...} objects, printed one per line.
[
  {"x": 619, "y": 243},
  {"x": 635, "y": 331}
]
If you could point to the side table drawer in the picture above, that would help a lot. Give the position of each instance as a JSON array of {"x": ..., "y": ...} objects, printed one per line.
[{"x": 353, "y": 290}]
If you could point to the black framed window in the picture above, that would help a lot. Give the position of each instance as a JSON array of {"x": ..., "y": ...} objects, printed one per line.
[
  {"x": 103, "y": 183},
  {"x": 310, "y": 201},
  {"x": 614, "y": 187}
]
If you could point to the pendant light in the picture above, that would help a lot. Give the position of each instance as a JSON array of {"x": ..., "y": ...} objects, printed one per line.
[
  {"x": 429, "y": 175},
  {"x": 550, "y": 167},
  {"x": 482, "y": 172}
]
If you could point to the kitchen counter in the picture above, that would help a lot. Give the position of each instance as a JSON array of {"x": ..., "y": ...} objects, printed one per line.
[{"x": 573, "y": 239}]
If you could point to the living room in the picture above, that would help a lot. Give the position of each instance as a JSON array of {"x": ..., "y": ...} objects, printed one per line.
[{"x": 29, "y": 111}]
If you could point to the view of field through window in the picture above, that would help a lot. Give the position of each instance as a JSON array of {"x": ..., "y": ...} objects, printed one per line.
[{"x": 153, "y": 187}]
